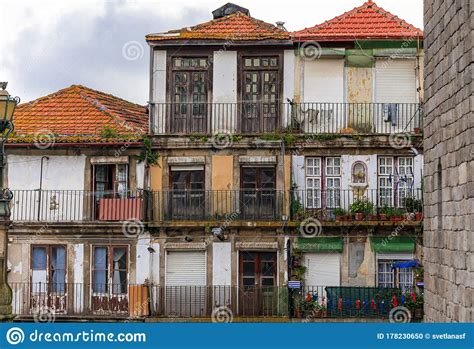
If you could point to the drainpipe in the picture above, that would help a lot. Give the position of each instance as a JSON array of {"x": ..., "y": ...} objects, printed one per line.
[{"x": 41, "y": 185}]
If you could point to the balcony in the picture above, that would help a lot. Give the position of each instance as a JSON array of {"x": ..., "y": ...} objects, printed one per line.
[
  {"x": 67, "y": 300},
  {"x": 76, "y": 205},
  {"x": 260, "y": 118},
  {"x": 229, "y": 207}
]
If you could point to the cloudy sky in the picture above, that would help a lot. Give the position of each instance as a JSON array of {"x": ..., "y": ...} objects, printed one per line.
[{"x": 51, "y": 44}]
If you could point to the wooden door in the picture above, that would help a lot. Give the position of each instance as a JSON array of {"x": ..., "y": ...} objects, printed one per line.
[
  {"x": 260, "y": 94},
  {"x": 189, "y": 107},
  {"x": 258, "y": 192},
  {"x": 258, "y": 291},
  {"x": 187, "y": 194}
]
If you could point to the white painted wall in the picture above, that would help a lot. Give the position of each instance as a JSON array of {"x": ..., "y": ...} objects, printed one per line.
[
  {"x": 159, "y": 88},
  {"x": 221, "y": 263},
  {"x": 289, "y": 60},
  {"x": 224, "y": 91},
  {"x": 323, "y": 80},
  {"x": 141, "y": 175},
  {"x": 59, "y": 172},
  {"x": 147, "y": 264},
  {"x": 63, "y": 176},
  {"x": 78, "y": 277}
]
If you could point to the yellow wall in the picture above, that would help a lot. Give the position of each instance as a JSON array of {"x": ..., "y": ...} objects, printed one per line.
[
  {"x": 222, "y": 172},
  {"x": 156, "y": 176},
  {"x": 222, "y": 169}
]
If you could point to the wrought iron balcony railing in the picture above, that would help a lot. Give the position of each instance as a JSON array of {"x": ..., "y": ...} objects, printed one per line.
[
  {"x": 226, "y": 206},
  {"x": 48, "y": 300},
  {"x": 258, "y": 118}
]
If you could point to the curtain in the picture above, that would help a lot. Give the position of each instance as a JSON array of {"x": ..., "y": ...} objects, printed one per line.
[
  {"x": 58, "y": 269},
  {"x": 38, "y": 266},
  {"x": 100, "y": 270},
  {"x": 119, "y": 276}
]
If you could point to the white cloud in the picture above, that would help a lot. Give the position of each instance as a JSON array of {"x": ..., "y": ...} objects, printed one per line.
[{"x": 49, "y": 45}]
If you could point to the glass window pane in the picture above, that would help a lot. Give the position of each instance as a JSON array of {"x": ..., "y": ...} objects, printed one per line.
[{"x": 38, "y": 258}]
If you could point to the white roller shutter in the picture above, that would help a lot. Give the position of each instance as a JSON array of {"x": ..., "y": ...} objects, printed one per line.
[
  {"x": 185, "y": 283},
  {"x": 395, "y": 81},
  {"x": 322, "y": 269},
  {"x": 323, "y": 81}
]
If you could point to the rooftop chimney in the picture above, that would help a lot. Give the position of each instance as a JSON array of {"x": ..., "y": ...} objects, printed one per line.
[
  {"x": 229, "y": 9},
  {"x": 281, "y": 25}
]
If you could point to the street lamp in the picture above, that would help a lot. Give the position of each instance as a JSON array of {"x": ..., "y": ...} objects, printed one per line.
[{"x": 7, "y": 109}]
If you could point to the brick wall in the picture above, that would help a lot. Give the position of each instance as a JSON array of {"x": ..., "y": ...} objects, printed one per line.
[{"x": 449, "y": 146}]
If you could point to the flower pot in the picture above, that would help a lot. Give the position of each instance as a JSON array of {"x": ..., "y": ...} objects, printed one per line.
[
  {"x": 373, "y": 217},
  {"x": 419, "y": 216},
  {"x": 396, "y": 218},
  {"x": 359, "y": 216},
  {"x": 296, "y": 263},
  {"x": 383, "y": 217},
  {"x": 417, "y": 130}
]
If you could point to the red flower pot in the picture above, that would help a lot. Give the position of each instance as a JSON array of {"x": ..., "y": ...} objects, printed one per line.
[
  {"x": 359, "y": 216},
  {"x": 419, "y": 216}
]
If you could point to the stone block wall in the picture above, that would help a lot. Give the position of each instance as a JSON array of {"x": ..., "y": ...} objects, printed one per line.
[{"x": 449, "y": 164}]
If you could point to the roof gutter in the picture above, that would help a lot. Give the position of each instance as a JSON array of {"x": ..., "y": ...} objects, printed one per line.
[{"x": 84, "y": 145}]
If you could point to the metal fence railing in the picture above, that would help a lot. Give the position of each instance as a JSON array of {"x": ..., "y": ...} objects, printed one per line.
[
  {"x": 217, "y": 205},
  {"x": 140, "y": 301},
  {"x": 269, "y": 117},
  {"x": 76, "y": 205}
]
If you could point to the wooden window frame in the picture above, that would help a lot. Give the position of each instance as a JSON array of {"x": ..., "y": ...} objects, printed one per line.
[
  {"x": 49, "y": 248},
  {"x": 241, "y": 55},
  {"x": 110, "y": 261}
]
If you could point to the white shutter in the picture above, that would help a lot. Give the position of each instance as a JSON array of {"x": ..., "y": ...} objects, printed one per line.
[
  {"x": 185, "y": 282},
  {"x": 322, "y": 269},
  {"x": 186, "y": 268},
  {"x": 395, "y": 81}
]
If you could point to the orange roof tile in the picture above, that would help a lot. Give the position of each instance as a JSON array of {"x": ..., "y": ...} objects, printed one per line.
[
  {"x": 368, "y": 21},
  {"x": 79, "y": 114},
  {"x": 236, "y": 27}
]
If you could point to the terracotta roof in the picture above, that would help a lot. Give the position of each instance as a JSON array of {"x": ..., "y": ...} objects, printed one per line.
[
  {"x": 368, "y": 21},
  {"x": 79, "y": 114},
  {"x": 237, "y": 27}
]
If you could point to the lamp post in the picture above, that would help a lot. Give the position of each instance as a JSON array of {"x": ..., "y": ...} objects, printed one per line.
[{"x": 7, "y": 108}]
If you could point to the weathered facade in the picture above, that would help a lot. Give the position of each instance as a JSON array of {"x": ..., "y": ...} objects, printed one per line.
[
  {"x": 271, "y": 157},
  {"x": 449, "y": 166}
]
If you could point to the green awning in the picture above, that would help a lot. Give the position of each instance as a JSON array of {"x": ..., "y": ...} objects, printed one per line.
[
  {"x": 382, "y": 244},
  {"x": 320, "y": 244}
]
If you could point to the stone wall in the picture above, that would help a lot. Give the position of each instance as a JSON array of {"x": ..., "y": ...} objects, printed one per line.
[{"x": 449, "y": 165}]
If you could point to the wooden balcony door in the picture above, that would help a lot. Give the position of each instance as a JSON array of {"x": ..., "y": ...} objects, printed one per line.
[
  {"x": 187, "y": 194},
  {"x": 258, "y": 192},
  {"x": 189, "y": 95},
  {"x": 260, "y": 94},
  {"x": 258, "y": 280}
]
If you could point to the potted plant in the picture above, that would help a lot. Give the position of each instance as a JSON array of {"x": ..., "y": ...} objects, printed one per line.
[
  {"x": 414, "y": 207},
  {"x": 385, "y": 212},
  {"x": 296, "y": 254},
  {"x": 320, "y": 311},
  {"x": 361, "y": 208},
  {"x": 397, "y": 215},
  {"x": 341, "y": 214},
  {"x": 414, "y": 303},
  {"x": 299, "y": 272}
]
